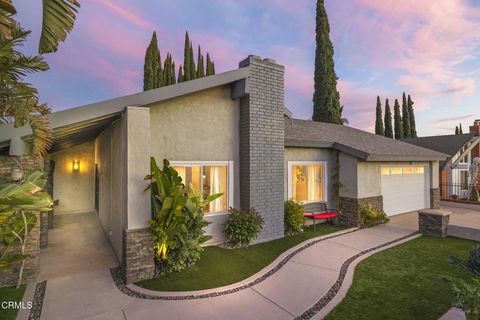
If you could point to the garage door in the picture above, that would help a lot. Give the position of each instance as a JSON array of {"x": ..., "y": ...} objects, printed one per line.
[{"x": 404, "y": 189}]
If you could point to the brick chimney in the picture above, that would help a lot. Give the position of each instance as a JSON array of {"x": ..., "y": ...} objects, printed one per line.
[{"x": 475, "y": 129}]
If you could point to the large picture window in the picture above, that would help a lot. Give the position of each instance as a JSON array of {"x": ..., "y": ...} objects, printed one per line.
[
  {"x": 209, "y": 178},
  {"x": 307, "y": 181}
]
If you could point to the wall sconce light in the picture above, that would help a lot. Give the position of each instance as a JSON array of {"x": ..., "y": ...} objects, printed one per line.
[
  {"x": 76, "y": 165},
  {"x": 16, "y": 174}
]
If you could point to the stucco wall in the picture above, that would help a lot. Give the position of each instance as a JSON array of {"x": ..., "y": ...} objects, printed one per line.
[
  {"x": 74, "y": 189},
  {"x": 311, "y": 154},
  {"x": 110, "y": 156},
  {"x": 368, "y": 179},
  {"x": 199, "y": 127},
  {"x": 348, "y": 176}
]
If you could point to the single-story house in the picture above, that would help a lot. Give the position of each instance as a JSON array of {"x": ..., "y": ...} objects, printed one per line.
[
  {"x": 225, "y": 133},
  {"x": 460, "y": 169}
]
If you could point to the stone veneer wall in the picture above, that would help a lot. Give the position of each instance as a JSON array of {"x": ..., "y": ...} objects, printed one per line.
[
  {"x": 350, "y": 209},
  {"x": 435, "y": 198},
  {"x": 433, "y": 222},
  {"x": 9, "y": 277},
  {"x": 262, "y": 144},
  {"x": 137, "y": 263}
]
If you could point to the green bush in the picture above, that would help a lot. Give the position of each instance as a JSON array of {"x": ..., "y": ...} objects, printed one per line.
[
  {"x": 473, "y": 262},
  {"x": 293, "y": 220},
  {"x": 370, "y": 216},
  {"x": 467, "y": 297},
  {"x": 243, "y": 227}
]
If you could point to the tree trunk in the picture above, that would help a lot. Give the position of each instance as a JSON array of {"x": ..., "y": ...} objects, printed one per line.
[{"x": 23, "y": 243}]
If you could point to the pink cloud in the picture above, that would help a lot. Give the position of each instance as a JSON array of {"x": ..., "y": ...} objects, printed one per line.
[{"x": 127, "y": 14}]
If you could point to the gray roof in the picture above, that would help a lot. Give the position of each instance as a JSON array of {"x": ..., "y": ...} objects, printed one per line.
[
  {"x": 84, "y": 123},
  {"x": 361, "y": 144},
  {"x": 449, "y": 144}
]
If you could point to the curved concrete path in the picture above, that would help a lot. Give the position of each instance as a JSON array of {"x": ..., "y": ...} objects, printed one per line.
[{"x": 293, "y": 289}]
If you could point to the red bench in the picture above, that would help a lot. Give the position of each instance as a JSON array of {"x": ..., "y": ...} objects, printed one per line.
[{"x": 319, "y": 211}]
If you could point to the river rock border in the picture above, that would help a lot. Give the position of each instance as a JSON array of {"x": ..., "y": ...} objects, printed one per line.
[
  {"x": 36, "y": 310},
  {"x": 118, "y": 279},
  {"x": 332, "y": 292},
  {"x": 120, "y": 283}
]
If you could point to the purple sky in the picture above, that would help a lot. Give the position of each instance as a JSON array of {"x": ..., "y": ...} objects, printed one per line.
[{"x": 428, "y": 48}]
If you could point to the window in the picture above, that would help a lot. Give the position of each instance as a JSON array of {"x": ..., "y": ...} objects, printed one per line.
[
  {"x": 464, "y": 179},
  {"x": 385, "y": 171},
  {"x": 209, "y": 178},
  {"x": 396, "y": 170},
  {"x": 307, "y": 181}
]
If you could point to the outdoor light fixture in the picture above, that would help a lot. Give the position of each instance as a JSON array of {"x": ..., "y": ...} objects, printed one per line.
[
  {"x": 76, "y": 165},
  {"x": 16, "y": 174}
]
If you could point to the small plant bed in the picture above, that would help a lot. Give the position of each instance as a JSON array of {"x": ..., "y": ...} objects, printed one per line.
[
  {"x": 406, "y": 281},
  {"x": 7, "y": 295},
  {"x": 219, "y": 267}
]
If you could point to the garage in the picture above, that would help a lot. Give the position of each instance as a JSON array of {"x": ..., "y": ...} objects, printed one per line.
[{"x": 404, "y": 188}]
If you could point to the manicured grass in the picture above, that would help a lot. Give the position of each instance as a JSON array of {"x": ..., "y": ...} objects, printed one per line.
[
  {"x": 10, "y": 294},
  {"x": 220, "y": 267},
  {"x": 405, "y": 282}
]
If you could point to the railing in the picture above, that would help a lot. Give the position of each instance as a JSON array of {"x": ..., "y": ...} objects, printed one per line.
[{"x": 459, "y": 192}]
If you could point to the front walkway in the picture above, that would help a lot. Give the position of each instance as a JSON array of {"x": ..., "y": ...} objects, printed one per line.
[
  {"x": 79, "y": 284},
  {"x": 76, "y": 266}
]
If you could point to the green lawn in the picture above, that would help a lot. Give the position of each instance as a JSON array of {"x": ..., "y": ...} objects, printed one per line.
[
  {"x": 219, "y": 267},
  {"x": 405, "y": 282},
  {"x": 10, "y": 294}
]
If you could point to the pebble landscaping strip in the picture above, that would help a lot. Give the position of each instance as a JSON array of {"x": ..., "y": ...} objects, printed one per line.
[
  {"x": 317, "y": 307},
  {"x": 36, "y": 310},
  {"x": 118, "y": 279}
]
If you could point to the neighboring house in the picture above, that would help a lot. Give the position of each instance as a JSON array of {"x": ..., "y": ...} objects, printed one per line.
[
  {"x": 224, "y": 133},
  {"x": 459, "y": 171}
]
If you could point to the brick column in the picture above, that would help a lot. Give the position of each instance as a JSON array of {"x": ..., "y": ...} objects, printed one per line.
[{"x": 262, "y": 144}]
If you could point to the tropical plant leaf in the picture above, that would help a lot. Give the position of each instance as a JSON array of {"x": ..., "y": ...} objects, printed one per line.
[{"x": 58, "y": 20}]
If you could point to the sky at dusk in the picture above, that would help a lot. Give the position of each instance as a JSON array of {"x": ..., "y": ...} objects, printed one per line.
[{"x": 428, "y": 48}]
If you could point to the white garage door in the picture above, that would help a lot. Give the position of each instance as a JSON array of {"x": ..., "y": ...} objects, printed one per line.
[{"x": 404, "y": 188}]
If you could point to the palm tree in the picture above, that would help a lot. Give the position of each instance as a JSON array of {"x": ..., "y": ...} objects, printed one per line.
[
  {"x": 18, "y": 99},
  {"x": 57, "y": 21}
]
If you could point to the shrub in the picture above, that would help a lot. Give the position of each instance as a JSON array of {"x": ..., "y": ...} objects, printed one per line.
[
  {"x": 293, "y": 220},
  {"x": 467, "y": 297},
  {"x": 178, "y": 221},
  {"x": 370, "y": 216},
  {"x": 473, "y": 262},
  {"x": 243, "y": 227}
]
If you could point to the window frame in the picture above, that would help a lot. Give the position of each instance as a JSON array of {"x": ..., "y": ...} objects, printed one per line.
[
  {"x": 290, "y": 165},
  {"x": 230, "y": 177}
]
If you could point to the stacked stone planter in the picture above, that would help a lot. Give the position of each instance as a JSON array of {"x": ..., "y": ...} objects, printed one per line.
[{"x": 433, "y": 222}]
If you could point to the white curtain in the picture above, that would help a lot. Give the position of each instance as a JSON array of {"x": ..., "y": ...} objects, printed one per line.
[
  {"x": 312, "y": 184},
  {"x": 216, "y": 186}
]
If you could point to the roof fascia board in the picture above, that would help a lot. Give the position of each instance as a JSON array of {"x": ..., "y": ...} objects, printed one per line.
[
  {"x": 351, "y": 151},
  {"x": 473, "y": 144},
  {"x": 108, "y": 107}
]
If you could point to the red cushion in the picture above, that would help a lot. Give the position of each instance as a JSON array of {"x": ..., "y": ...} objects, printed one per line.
[{"x": 323, "y": 215}]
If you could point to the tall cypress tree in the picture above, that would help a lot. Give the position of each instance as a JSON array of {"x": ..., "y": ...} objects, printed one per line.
[
  {"x": 411, "y": 113},
  {"x": 180, "y": 74},
  {"x": 460, "y": 130},
  {"x": 405, "y": 118},
  {"x": 388, "y": 121},
  {"x": 210, "y": 70},
  {"x": 378, "y": 119},
  {"x": 186, "y": 58},
  {"x": 152, "y": 68},
  {"x": 326, "y": 101},
  {"x": 200, "y": 66},
  {"x": 213, "y": 67},
  {"x": 397, "y": 118},
  {"x": 456, "y": 130},
  {"x": 174, "y": 77},
  {"x": 192, "y": 69}
]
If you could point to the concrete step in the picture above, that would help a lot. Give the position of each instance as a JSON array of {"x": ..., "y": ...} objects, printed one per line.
[{"x": 464, "y": 232}]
